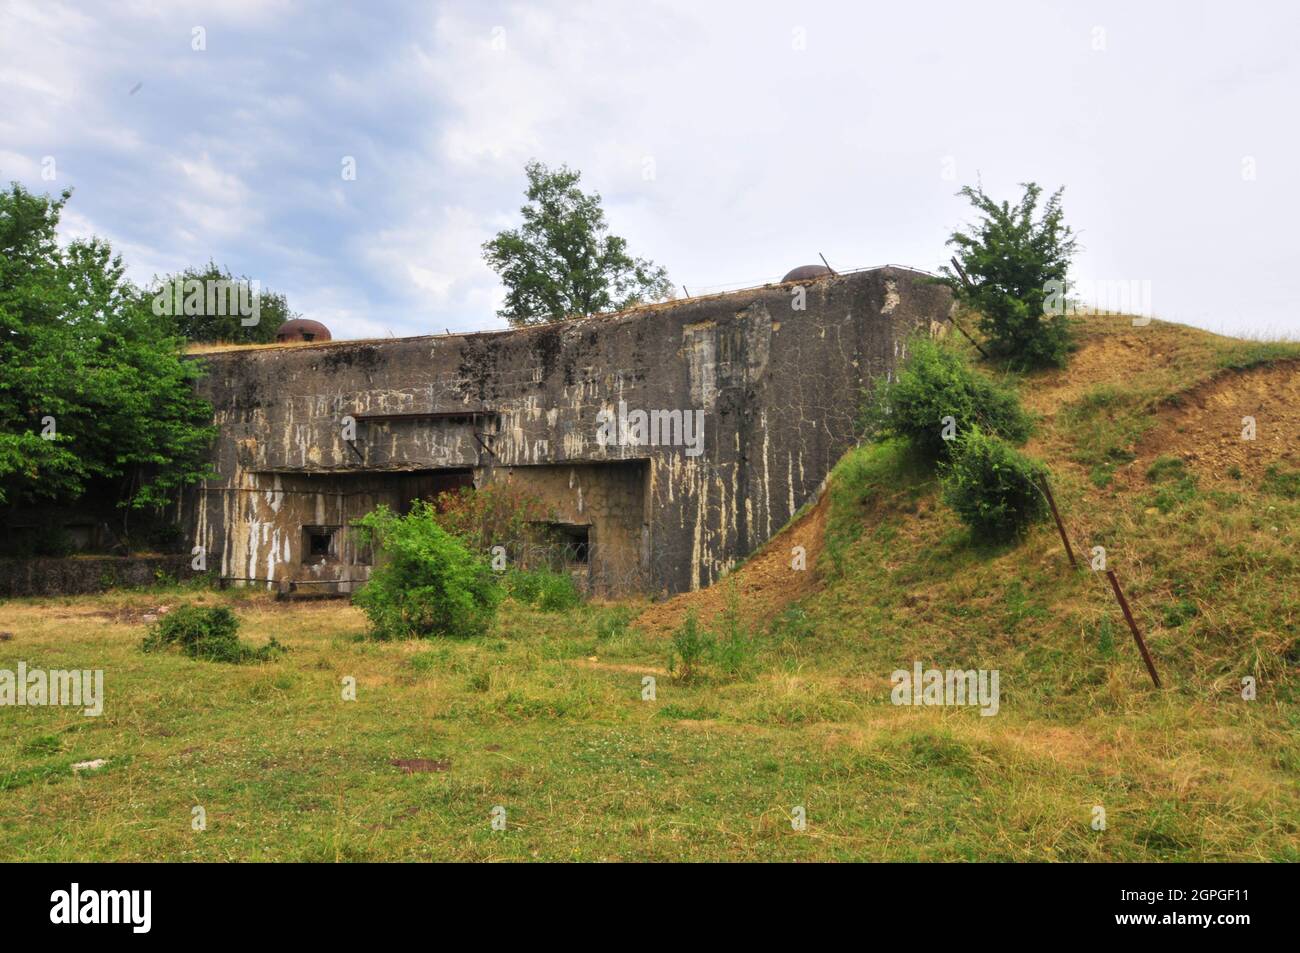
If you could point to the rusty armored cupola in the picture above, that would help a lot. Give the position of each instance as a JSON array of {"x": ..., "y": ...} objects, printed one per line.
[
  {"x": 806, "y": 273},
  {"x": 302, "y": 329}
]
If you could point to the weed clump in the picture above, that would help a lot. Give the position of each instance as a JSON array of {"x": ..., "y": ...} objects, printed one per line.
[
  {"x": 730, "y": 651},
  {"x": 545, "y": 589},
  {"x": 209, "y": 633},
  {"x": 734, "y": 648},
  {"x": 1176, "y": 485},
  {"x": 690, "y": 646},
  {"x": 614, "y": 623},
  {"x": 1285, "y": 483}
]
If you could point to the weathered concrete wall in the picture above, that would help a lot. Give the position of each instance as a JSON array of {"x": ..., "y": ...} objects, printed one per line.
[
  {"x": 83, "y": 574},
  {"x": 778, "y": 388},
  {"x": 268, "y": 519},
  {"x": 610, "y": 500}
]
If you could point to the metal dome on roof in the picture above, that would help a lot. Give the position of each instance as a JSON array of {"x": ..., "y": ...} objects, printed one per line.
[
  {"x": 302, "y": 329},
  {"x": 806, "y": 273}
]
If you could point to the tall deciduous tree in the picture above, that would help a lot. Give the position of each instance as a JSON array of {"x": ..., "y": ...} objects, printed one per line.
[
  {"x": 1014, "y": 260},
  {"x": 562, "y": 262},
  {"x": 94, "y": 389},
  {"x": 210, "y": 304}
]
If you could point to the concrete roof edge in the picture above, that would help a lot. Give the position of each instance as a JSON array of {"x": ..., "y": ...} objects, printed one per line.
[{"x": 220, "y": 351}]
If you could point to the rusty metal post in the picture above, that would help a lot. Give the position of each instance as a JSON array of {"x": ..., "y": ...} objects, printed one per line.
[
  {"x": 1137, "y": 636},
  {"x": 1060, "y": 526}
]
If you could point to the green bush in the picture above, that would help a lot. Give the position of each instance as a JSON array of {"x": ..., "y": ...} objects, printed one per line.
[
  {"x": 729, "y": 652},
  {"x": 936, "y": 382},
  {"x": 425, "y": 582},
  {"x": 993, "y": 487},
  {"x": 524, "y": 586},
  {"x": 209, "y": 633},
  {"x": 48, "y": 539}
]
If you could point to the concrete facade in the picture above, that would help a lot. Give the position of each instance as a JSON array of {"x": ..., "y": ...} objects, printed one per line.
[{"x": 312, "y": 436}]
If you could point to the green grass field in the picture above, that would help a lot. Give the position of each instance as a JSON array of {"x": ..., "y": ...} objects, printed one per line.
[{"x": 545, "y": 716}]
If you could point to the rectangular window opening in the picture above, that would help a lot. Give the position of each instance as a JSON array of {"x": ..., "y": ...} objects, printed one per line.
[
  {"x": 574, "y": 542},
  {"x": 319, "y": 544}
]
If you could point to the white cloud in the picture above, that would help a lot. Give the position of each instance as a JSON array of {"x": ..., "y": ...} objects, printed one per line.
[
  {"x": 213, "y": 184},
  {"x": 763, "y": 154},
  {"x": 142, "y": 262},
  {"x": 16, "y": 166},
  {"x": 433, "y": 267}
]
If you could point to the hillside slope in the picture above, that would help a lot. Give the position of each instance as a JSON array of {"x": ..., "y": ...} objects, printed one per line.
[{"x": 1143, "y": 433}]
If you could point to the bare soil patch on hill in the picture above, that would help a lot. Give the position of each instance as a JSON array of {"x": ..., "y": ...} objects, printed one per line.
[
  {"x": 1205, "y": 426},
  {"x": 765, "y": 584}
]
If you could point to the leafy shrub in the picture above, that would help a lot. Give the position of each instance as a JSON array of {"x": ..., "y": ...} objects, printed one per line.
[
  {"x": 993, "y": 487},
  {"x": 58, "y": 543},
  {"x": 690, "y": 646},
  {"x": 524, "y": 586},
  {"x": 1016, "y": 266},
  {"x": 936, "y": 382},
  {"x": 425, "y": 581},
  {"x": 209, "y": 633},
  {"x": 49, "y": 538}
]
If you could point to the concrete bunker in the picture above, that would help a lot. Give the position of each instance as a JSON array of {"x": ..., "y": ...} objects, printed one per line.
[{"x": 314, "y": 435}]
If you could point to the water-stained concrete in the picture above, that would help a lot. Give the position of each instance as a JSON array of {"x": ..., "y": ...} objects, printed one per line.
[{"x": 314, "y": 435}]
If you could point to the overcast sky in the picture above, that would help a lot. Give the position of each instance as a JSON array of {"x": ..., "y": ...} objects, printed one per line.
[{"x": 730, "y": 141}]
